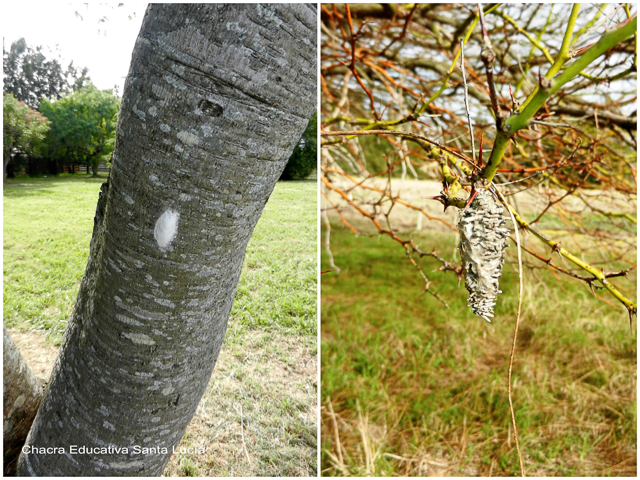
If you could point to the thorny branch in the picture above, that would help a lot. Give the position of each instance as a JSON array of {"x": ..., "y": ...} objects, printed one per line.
[{"x": 560, "y": 126}]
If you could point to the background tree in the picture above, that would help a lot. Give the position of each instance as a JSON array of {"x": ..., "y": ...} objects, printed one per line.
[
  {"x": 191, "y": 174},
  {"x": 22, "y": 128},
  {"x": 30, "y": 75},
  {"x": 303, "y": 160},
  {"x": 531, "y": 102},
  {"x": 83, "y": 126}
]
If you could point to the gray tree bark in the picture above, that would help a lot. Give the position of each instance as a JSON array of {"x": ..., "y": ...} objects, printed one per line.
[
  {"x": 22, "y": 394},
  {"x": 215, "y": 101}
]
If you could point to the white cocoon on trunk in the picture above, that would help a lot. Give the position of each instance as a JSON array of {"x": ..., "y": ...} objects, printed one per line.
[{"x": 166, "y": 228}]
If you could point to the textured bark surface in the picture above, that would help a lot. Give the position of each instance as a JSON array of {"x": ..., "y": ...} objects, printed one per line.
[
  {"x": 482, "y": 245},
  {"x": 216, "y": 99},
  {"x": 22, "y": 394}
]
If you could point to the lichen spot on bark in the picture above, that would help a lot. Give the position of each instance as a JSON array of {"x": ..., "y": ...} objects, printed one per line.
[
  {"x": 189, "y": 138},
  {"x": 19, "y": 401},
  {"x": 167, "y": 391},
  {"x": 155, "y": 180},
  {"x": 166, "y": 228},
  {"x": 139, "y": 338}
]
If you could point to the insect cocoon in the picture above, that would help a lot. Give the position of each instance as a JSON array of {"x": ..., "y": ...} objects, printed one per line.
[
  {"x": 482, "y": 245},
  {"x": 166, "y": 228}
]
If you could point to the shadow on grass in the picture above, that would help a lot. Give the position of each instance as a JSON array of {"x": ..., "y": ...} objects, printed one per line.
[{"x": 33, "y": 186}]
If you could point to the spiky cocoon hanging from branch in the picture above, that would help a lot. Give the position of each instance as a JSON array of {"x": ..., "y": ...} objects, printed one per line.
[{"x": 482, "y": 245}]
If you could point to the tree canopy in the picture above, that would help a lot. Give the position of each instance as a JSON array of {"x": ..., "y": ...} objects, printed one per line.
[
  {"x": 303, "y": 160},
  {"x": 23, "y": 128},
  {"x": 83, "y": 126},
  {"x": 30, "y": 75}
]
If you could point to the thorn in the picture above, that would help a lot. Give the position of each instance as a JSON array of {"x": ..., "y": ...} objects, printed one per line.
[
  {"x": 443, "y": 198},
  {"x": 539, "y": 75},
  {"x": 514, "y": 102},
  {"x": 579, "y": 51},
  {"x": 473, "y": 195}
]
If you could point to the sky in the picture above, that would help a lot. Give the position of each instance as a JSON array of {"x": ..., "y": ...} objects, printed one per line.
[{"x": 105, "y": 47}]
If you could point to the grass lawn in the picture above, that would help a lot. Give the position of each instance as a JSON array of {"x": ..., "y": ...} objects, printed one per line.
[
  {"x": 410, "y": 387},
  {"x": 47, "y": 228},
  {"x": 266, "y": 372}
]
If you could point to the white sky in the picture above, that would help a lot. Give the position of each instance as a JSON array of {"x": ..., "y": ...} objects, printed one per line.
[{"x": 105, "y": 48}]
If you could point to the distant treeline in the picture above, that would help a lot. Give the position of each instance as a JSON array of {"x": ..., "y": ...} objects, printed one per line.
[{"x": 55, "y": 119}]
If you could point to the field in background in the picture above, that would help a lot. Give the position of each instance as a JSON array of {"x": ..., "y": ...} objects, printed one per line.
[
  {"x": 418, "y": 193},
  {"x": 266, "y": 372},
  {"x": 410, "y": 387}
]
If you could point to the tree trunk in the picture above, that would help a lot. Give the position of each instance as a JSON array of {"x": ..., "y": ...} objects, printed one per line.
[
  {"x": 95, "y": 165},
  {"x": 215, "y": 101},
  {"x": 22, "y": 395},
  {"x": 6, "y": 158}
]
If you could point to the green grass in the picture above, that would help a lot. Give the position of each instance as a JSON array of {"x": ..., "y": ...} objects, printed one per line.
[
  {"x": 47, "y": 228},
  {"x": 412, "y": 382},
  {"x": 48, "y": 223},
  {"x": 280, "y": 268}
]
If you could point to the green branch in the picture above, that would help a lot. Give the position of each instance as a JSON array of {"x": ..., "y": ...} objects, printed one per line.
[
  {"x": 597, "y": 273},
  {"x": 563, "y": 54},
  {"x": 549, "y": 87}
]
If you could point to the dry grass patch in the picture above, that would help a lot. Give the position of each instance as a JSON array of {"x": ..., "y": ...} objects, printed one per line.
[
  {"x": 268, "y": 381},
  {"x": 271, "y": 377},
  {"x": 36, "y": 351},
  {"x": 416, "y": 389}
]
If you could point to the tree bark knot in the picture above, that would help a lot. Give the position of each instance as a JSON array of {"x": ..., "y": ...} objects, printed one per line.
[{"x": 482, "y": 246}]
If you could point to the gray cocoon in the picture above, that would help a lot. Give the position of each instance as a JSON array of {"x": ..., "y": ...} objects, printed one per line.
[{"x": 482, "y": 245}]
